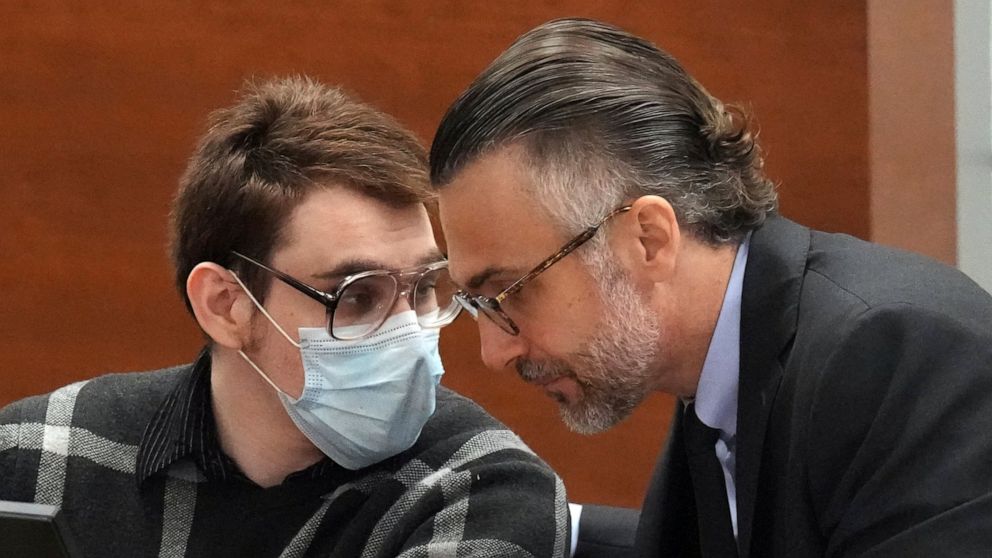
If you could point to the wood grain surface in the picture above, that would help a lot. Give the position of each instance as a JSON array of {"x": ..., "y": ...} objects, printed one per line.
[{"x": 101, "y": 104}]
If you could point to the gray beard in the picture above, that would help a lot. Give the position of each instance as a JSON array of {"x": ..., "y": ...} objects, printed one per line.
[{"x": 614, "y": 368}]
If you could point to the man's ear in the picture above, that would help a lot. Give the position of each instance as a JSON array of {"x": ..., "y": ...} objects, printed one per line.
[
  {"x": 220, "y": 305},
  {"x": 652, "y": 239}
]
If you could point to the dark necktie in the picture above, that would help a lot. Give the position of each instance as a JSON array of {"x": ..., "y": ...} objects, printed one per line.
[{"x": 716, "y": 534}]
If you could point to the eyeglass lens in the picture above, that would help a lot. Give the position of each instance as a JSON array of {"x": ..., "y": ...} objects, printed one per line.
[
  {"x": 487, "y": 307},
  {"x": 499, "y": 318},
  {"x": 364, "y": 304}
]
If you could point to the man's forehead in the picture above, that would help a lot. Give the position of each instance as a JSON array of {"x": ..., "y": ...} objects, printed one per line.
[
  {"x": 337, "y": 230},
  {"x": 491, "y": 223}
]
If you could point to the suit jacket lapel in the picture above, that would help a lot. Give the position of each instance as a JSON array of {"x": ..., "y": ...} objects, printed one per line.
[
  {"x": 668, "y": 517},
  {"x": 769, "y": 310}
]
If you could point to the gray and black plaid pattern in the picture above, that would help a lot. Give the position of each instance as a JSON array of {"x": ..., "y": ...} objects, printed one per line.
[
  {"x": 179, "y": 508},
  {"x": 58, "y": 440},
  {"x": 456, "y": 487},
  {"x": 81, "y": 447}
]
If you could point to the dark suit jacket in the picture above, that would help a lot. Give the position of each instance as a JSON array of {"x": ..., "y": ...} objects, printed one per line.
[{"x": 864, "y": 409}]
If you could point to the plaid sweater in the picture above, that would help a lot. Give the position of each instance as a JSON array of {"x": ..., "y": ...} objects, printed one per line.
[{"x": 131, "y": 486}]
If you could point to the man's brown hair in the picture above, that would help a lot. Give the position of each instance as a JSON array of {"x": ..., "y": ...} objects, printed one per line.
[{"x": 261, "y": 157}]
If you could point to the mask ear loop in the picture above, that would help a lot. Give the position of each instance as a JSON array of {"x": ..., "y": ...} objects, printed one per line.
[
  {"x": 277, "y": 326},
  {"x": 264, "y": 312}
]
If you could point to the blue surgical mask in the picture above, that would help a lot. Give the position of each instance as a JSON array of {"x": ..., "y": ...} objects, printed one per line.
[{"x": 368, "y": 399}]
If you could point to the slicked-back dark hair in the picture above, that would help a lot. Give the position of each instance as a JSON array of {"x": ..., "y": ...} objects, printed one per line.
[
  {"x": 261, "y": 157},
  {"x": 603, "y": 115}
]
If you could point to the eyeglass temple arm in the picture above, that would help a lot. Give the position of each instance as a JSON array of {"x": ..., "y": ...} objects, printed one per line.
[
  {"x": 564, "y": 251},
  {"x": 561, "y": 253},
  {"x": 319, "y": 296}
]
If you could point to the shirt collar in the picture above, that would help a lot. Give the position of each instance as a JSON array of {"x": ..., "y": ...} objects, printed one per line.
[
  {"x": 716, "y": 394},
  {"x": 184, "y": 426}
]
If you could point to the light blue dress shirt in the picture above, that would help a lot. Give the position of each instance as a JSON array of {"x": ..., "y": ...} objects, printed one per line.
[
  {"x": 716, "y": 394},
  {"x": 575, "y": 512}
]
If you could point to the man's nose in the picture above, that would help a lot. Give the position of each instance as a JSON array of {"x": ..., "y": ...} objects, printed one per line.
[{"x": 499, "y": 348}]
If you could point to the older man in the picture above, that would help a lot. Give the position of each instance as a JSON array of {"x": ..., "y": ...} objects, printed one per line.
[{"x": 835, "y": 396}]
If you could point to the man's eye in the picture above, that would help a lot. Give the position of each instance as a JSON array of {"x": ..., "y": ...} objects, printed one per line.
[
  {"x": 425, "y": 287},
  {"x": 357, "y": 299},
  {"x": 493, "y": 289},
  {"x": 365, "y": 299}
]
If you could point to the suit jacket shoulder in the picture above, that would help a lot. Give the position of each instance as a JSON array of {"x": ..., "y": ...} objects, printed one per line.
[{"x": 885, "y": 370}]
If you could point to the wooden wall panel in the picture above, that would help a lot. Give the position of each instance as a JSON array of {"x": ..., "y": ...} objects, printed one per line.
[
  {"x": 100, "y": 106},
  {"x": 911, "y": 107}
]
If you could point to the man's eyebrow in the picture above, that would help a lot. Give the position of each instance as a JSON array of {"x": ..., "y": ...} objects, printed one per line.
[
  {"x": 358, "y": 265},
  {"x": 432, "y": 256},
  {"x": 349, "y": 267},
  {"x": 486, "y": 274}
]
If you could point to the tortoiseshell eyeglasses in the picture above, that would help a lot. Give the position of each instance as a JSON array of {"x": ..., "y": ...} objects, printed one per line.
[{"x": 491, "y": 306}]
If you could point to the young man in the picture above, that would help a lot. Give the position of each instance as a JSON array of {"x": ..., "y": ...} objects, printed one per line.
[
  {"x": 835, "y": 396},
  {"x": 313, "y": 423}
]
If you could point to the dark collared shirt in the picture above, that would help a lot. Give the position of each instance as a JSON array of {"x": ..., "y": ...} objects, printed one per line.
[{"x": 184, "y": 426}]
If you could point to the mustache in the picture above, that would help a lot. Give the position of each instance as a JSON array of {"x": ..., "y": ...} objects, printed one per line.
[{"x": 543, "y": 371}]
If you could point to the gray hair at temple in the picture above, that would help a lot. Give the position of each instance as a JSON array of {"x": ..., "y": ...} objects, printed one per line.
[{"x": 603, "y": 116}]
